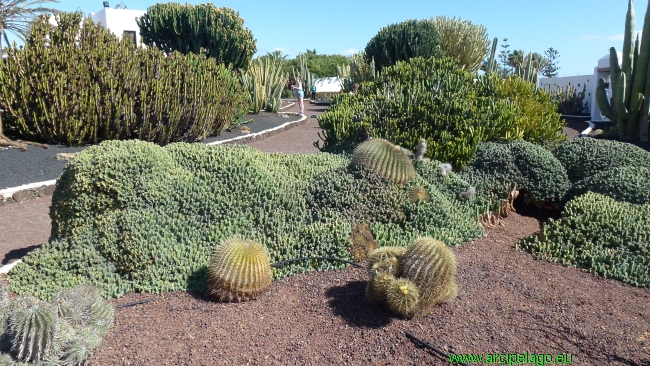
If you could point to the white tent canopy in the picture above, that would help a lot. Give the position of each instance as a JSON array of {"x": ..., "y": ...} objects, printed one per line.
[{"x": 327, "y": 85}]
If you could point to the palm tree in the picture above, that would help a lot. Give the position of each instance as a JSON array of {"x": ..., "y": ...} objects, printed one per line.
[{"x": 15, "y": 16}]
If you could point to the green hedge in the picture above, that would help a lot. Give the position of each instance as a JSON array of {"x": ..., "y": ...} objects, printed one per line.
[
  {"x": 585, "y": 157},
  {"x": 533, "y": 168},
  {"x": 596, "y": 232},
  {"x": 452, "y": 109},
  {"x": 624, "y": 184},
  {"x": 134, "y": 216},
  {"x": 95, "y": 88}
]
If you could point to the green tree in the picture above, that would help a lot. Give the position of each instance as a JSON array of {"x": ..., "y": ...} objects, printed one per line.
[
  {"x": 402, "y": 41},
  {"x": 15, "y": 16},
  {"x": 504, "y": 56},
  {"x": 463, "y": 40},
  {"x": 191, "y": 28},
  {"x": 319, "y": 65},
  {"x": 551, "y": 69}
]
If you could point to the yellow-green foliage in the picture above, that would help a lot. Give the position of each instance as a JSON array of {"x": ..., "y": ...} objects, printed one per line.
[
  {"x": 454, "y": 110},
  {"x": 385, "y": 159},
  {"x": 264, "y": 80},
  {"x": 463, "y": 40},
  {"x": 431, "y": 265},
  {"x": 77, "y": 83},
  {"x": 240, "y": 270},
  {"x": 600, "y": 234},
  {"x": 537, "y": 119},
  {"x": 134, "y": 216}
]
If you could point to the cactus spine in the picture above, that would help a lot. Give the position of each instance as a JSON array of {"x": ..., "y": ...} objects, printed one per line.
[
  {"x": 32, "y": 326},
  {"x": 240, "y": 270},
  {"x": 385, "y": 159},
  {"x": 628, "y": 84},
  {"x": 431, "y": 265}
]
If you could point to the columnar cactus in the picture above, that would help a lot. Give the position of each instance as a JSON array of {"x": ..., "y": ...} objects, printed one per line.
[
  {"x": 240, "y": 270},
  {"x": 385, "y": 159},
  {"x": 628, "y": 84}
]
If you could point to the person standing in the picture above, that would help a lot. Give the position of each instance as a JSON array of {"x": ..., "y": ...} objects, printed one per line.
[
  {"x": 299, "y": 93},
  {"x": 355, "y": 88},
  {"x": 313, "y": 92}
]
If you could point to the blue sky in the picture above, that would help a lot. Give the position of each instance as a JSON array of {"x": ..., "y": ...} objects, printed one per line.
[{"x": 581, "y": 30}]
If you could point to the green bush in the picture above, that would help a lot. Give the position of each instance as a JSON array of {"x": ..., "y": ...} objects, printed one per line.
[
  {"x": 434, "y": 99},
  {"x": 134, "y": 216},
  {"x": 187, "y": 28},
  {"x": 402, "y": 41},
  {"x": 585, "y": 157},
  {"x": 607, "y": 237},
  {"x": 625, "y": 183},
  {"x": 98, "y": 88},
  {"x": 531, "y": 167}
]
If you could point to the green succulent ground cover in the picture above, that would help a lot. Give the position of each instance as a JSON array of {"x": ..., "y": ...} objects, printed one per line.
[
  {"x": 596, "y": 232},
  {"x": 134, "y": 216}
]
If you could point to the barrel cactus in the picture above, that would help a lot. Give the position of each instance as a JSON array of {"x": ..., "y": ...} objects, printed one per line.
[
  {"x": 385, "y": 159},
  {"x": 418, "y": 193},
  {"x": 377, "y": 286},
  {"x": 239, "y": 270},
  {"x": 386, "y": 259},
  {"x": 431, "y": 265},
  {"x": 402, "y": 297},
  {"x": 32, "y": 327}
]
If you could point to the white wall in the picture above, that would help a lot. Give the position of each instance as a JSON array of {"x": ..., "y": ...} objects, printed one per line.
[
  {"x": 327, "y": 85},
  {"x": 119, "y": 20},
  {"x": 578, "y": 82}
]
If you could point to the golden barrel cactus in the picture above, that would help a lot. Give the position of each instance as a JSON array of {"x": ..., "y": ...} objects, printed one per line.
[
  {"x": 384, "y": 159},
  {"x": 239, "y": 270}
]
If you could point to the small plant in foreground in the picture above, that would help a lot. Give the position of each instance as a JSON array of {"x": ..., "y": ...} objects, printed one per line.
[{"x": 240, "y": 270}]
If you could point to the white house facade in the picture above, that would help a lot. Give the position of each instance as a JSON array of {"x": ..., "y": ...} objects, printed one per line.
[{"x": 120, "y": 22}]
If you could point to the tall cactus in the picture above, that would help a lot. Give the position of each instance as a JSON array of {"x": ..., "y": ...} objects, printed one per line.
[
  {"x": 628, "y": 84},
  {"x": 491, "y": 64},
  {"x": 190, "y": 28},
  {"x": 264, "y": 81},
  {"x": 306, "y": 76}
]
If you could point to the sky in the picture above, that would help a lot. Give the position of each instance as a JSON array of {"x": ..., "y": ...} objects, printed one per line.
[{"x": 581, "y": 30}]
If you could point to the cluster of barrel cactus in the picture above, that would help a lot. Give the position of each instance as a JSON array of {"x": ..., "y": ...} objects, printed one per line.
[
  {"x": 410, "y": 281},
  {"x": 63, "y": 332}
]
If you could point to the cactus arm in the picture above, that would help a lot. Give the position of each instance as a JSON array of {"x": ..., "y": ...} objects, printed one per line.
[
  {"x": 627, "y": 41},
  {"x": 620, "y": 97},
  {"x": 603, "y": 104},
  {"x": 643, "y": 113},
  {"x": 615, "y": 70}
]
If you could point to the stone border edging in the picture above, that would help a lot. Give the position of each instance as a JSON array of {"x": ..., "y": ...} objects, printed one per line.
[{"x": 46, "y": 188}]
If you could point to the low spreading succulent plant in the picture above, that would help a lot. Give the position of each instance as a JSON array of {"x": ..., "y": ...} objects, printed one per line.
[
  {"x": 384, "y": 158},
  {"x": 240, "y": 270}
]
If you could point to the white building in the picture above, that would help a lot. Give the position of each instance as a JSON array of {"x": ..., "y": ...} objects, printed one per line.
[{"x": 120, "y": 22}]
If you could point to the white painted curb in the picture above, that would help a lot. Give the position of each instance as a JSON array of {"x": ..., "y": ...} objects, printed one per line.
[
  {"x": 304, "y": 117},
  {"x": 8, "y": 192},
  {"x": 586, "y": 132},
  {"x": 7, "y": 267}
]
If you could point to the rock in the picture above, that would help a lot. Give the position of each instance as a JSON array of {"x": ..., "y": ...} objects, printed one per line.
[
  {"x": 49, "y": 190},
  {"x": 20, "y": 196},
  {"x": 65, "y": 156},
  {"x": 245, "y": 129}
]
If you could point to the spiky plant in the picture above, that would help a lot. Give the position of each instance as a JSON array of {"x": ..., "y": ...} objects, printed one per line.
[
  {"x": 32, "y": 327},
  {"x": 431, "y": 265},
  {"x": 381, "y": 258},
  {"x": 402, "y": 297},
  {"x": 77, "y": 350},
  {"x": 385, "y": 159},
  {"x": 376, "y": 287},
  {"x": 363, "y": 242},
  {"x": 239, "y": 270},
  {"x": 418, "y": 193}
]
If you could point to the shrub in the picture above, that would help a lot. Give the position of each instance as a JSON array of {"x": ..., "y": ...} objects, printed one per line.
[
  {"x": 192, "y": 28},
  {"x": 596, "y": 232},
  {"x": 402, "y": 41},
  {"x": 463, "y": 40},
  {"x": 533, "y": 168},
  {"x": 433, "y": 99},
  {"x": 133, "y": 216},
  {"x": 585, "y": 157},
  {"x": 94, "y": 88},
  {"x": 626, "y": 184}
]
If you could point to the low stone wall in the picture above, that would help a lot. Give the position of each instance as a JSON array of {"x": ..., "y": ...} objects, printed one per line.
[{"x": 26, "y": 194}]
